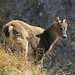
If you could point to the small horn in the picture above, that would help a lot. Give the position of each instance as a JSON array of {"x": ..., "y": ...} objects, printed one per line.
[
  {"x": 64, "y": 20},
  {"x": 57, "y": 19}
]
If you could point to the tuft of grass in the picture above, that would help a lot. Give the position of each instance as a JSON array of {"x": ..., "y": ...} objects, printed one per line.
[{"x": 15, "y": 65}]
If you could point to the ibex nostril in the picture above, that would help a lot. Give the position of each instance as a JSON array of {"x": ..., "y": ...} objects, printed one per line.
[{"x": 64, "y": 37}]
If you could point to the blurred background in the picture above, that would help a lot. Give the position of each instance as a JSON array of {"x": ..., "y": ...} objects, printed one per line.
[{"x": 42, "y": 13}]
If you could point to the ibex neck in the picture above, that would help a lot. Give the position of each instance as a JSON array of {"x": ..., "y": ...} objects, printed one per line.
[
  {"x": 52, "y": 39},
  {"x": 47, "y": 41}
]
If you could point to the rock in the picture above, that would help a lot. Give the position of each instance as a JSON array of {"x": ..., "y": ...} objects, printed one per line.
[{"x": 73, "y": 45}]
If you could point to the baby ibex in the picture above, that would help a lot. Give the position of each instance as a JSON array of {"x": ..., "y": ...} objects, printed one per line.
[{"x": 37, "y": 40}]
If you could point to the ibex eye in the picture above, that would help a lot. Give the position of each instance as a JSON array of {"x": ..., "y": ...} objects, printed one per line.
[{"x": 60, "y": 26}]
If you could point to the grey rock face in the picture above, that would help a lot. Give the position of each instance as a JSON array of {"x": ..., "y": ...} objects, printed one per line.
[{"x": 42, "y": 13}]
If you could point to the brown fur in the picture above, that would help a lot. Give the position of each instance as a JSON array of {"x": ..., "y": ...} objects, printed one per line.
[
  {"x": 23, "y": 34},
  {"x": 33, "y": 39}
]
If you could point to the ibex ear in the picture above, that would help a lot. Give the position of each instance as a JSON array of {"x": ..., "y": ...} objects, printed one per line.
[
  {"x": 64, "y": 20},
  {"x": 57, "y": 19}
]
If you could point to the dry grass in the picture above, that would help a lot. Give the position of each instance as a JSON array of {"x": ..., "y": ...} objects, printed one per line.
[{"x": 15, "y": 65}]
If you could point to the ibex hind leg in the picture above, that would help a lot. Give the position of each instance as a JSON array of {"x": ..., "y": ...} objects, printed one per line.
[{"x": 24, "y": 46}]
